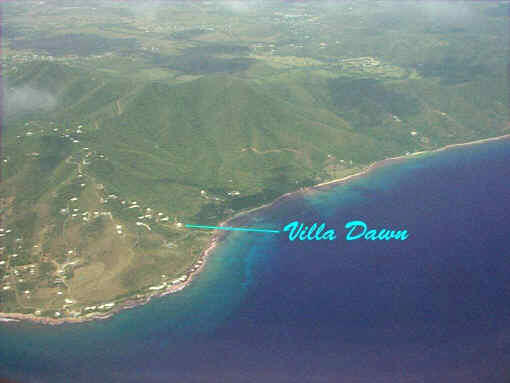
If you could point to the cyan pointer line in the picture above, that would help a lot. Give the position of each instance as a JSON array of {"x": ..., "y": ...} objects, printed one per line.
[{"x": 232, "y": 228}]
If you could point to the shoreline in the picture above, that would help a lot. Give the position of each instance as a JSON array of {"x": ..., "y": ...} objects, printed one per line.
[
  {"x": 125, "y": 305},
  {"x": 128, "y": 304},
  {"x": 379, "y": 163},
  {"x": 215, "y": 240}
]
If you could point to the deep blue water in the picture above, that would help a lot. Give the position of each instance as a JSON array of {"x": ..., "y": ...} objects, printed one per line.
[{"x": 433, "y": 308}]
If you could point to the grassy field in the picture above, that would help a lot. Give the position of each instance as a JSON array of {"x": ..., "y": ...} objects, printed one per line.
[{"x": 124, "y": 121}]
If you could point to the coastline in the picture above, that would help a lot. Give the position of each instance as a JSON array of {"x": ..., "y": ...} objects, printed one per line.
[
  {"x": 215, "y": 240},
  {"x": 128, "y": 304},
  {"x": 377, "y": 164}
]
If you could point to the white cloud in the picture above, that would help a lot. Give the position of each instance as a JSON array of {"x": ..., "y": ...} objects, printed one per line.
[{"x": 27, "y": 99}]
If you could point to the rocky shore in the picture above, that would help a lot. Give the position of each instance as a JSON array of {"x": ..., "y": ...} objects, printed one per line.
[{"x": 133, "y": 302}]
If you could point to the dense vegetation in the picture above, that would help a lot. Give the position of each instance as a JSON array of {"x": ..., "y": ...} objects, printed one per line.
[
  {"x": 120, "y": 127},
  {"x": 74, "y": 44}
]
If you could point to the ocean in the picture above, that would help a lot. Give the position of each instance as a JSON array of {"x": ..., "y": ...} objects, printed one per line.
[{"x": 435, "y": 307}]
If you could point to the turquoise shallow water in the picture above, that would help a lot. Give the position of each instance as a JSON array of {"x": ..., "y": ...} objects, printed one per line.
[{"x": 433, "y": 307}]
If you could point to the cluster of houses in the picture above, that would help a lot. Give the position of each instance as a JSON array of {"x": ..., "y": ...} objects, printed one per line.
[
  {"x": 233, "y": 193},
  {"x": 148, "y": 216},
  {"x": 104, "y": 306},
  {"x": 177, "y": 281},
  {"x": 17, "y": 274},
  {"x": 11, "y": 61},
  {"x": 66, "y": 133},
  {"x": 142, "y": 220},
  {"x": 74, "y": 212},
  {"x": 14, "y": 273},
  {"x": 363, "y": 62}
]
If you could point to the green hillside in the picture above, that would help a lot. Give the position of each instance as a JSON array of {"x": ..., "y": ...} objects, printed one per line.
[{"x": 110, "y": 144}]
